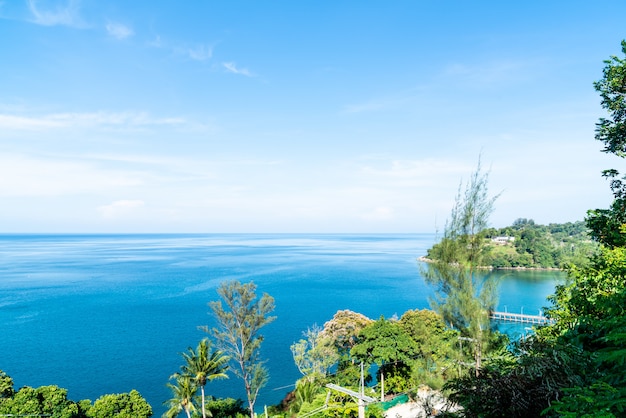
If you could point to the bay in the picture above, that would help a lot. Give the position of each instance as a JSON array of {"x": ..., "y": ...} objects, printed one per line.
[{"x": 103, "y": 314}]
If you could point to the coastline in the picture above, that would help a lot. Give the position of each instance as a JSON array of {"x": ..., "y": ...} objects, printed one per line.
[{"x": 424, "y": 259}]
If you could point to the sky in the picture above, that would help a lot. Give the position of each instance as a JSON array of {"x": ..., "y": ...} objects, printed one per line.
[{"x": 154, "y": 116}]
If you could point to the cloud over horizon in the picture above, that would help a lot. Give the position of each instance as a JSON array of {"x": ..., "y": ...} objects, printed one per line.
[{"x": 121, "y": 209}]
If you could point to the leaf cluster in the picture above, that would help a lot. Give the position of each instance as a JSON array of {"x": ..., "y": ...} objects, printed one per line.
[{"x": 52, "y": 401}]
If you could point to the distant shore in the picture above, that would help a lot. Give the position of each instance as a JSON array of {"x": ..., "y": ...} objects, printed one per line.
[{"x": 425, "y": 259}]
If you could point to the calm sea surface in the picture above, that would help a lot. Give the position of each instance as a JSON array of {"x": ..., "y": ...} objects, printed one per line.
[{"x": 101, "y": 314}]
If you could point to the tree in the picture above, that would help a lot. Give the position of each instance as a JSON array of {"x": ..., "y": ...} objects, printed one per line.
[
  {"x": 226, "y": 408},
  {"x": 386, "y": 344},
  {"x": 608, "y": 226},
  {"x": 521, "y": 382},
  {"x": 52, "y": 401},
  {"x": 183, "y": 391},
  {"x": 6, "y": 385},
  {"x": 437, "y": 346},
  {"x": 120, "y": 405},
  {"x": 344, "y": 328},
  {"x": 237, "y": 331},
  {"x": 590, "y": 315},
  {"x": 204, "y": 365},
  {"x": 315, "y": 354},
  {"x": 464, "y": 293},
  {"x": 42, "y": 401}
]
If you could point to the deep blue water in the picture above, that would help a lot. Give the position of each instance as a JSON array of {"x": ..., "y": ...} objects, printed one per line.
[{"x": 103, "y": 314}]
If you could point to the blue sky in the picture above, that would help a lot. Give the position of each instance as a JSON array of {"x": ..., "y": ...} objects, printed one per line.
[{"x": 298, "y": 116}]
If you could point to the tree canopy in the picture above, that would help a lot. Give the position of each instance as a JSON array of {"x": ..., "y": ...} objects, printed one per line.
[{"x": 52, "y": 401}]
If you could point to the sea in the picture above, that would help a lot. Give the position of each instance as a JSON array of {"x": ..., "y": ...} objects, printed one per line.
[{"x": 99, "y": 314}]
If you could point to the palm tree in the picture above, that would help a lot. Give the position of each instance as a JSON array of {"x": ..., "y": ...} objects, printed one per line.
[
  {"x": 204, "y": 365},
  {"x": 183, "y": 393}
]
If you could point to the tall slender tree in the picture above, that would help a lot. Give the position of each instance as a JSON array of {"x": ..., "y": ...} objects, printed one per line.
[
  {"x": 465, "y": 293},
  {"x": 204, "y": 365},
  {"x": 237, "y": 332}
]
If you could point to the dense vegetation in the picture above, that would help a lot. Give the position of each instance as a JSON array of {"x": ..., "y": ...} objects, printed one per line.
[
  {"x": 399, "y": 357},
  {"x": 52, "y": 401},
  {"x": 526, "y": 244}
]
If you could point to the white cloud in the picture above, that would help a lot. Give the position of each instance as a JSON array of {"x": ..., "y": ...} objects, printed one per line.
[
  {"x": 426, "y": 172},
  {"x": 197, "y": 52},
  {"x": 119, "y": 31},
  {"x": 231, "y": 67},
  {"x": 120, "y": 209},
  {"x": 67, "y": 120},
  {"x": 22, "y": 175},
  {"x": 200, "y": 52},
  {"x": 377, "y": 104},
  {"x": 13, "y": 122},
  {"x": 379, "y": 214},
  {"x": 66, "y": 14}
]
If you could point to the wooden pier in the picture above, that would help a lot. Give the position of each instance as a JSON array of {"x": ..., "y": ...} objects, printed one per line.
[{"x": 520, "y": 318}]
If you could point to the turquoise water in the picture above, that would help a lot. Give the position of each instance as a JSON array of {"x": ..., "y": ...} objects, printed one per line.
[{"x": 103, "y": 314}]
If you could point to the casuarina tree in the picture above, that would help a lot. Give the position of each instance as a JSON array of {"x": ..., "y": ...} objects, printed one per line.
[
  {"x": 239, "y": 317},
  {"x": 465, "y": 293}
]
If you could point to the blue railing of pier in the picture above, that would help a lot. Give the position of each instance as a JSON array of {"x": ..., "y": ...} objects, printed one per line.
[{"x": 520, "y": 318}]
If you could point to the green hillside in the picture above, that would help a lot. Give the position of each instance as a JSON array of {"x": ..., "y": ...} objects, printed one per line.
[{"x": 526, "y": 244}]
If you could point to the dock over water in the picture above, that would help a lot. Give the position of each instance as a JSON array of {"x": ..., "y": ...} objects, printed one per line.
[{"x": 520, "y": 318}]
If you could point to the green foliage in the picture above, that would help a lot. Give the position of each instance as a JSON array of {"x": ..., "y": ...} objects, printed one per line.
[
  {"x": 388, "y": 345},
  {"x": 608, "y": 226},
  {"x": 6, "y": 386},
  {"x": 374, "y": 411},
  {"x": 520, "y": 382},
  {"x": 121, "y": 405},
  {"x": 45, "y": 400},
  {"x": 531, "y": 245},
  {"x": 183, "y": 390},
  {"x": 383, "y": 342},
  {"x": 204, "y": 365},
  {"x": 343, "y": 330},
  {"x": 349, "y": 373},
  {"x": 599, "y": 400},
  {"x": 237, "y": 332},
  {"x": 437, "y": 354},
  {"x": 315, "y": 354},
  {"x": 409, "y": 352},
  {"x": 463, "y": 295},
  {"x": 318, "y": 403},
  {"x": 612, "y": 89},
  {"x": 52, "y": 401},
  {"x": 226, "y": 408},
  {"x": 574, "y": 367},
  {"x": 306, "y": 393}
]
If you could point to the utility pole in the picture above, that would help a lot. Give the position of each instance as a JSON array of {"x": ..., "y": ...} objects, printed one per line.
[{"x": 360, "y": 396}]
